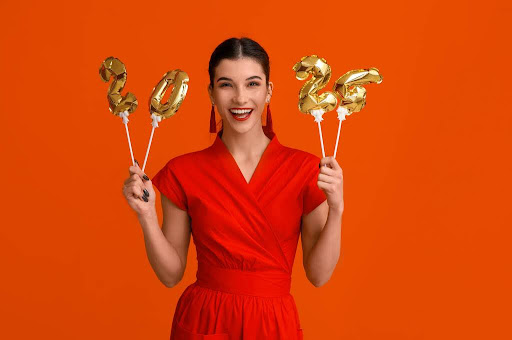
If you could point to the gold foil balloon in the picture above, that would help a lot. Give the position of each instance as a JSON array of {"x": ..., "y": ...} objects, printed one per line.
[
  {"x": 113, "y": 67},
  {"x": 180, "y": 80},
  {"x": 352, "y": 95},
  {"x": 349, "y": 90},
  {"x": 119, "y": 105},
  {"x": 161, "y": 111},
  {"x": 309, "y": 99}
]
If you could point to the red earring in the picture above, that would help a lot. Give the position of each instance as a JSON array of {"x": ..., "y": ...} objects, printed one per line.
[
  {"x": 213, "y": 124},
  {"x": 269, "y": 119}
]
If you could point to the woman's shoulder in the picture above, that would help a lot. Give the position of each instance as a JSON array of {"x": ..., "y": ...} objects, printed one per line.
[
  {"x": 301, "y": 155},
  {"x": 185, "y": 160},
  {"x": 180, "y": 160}
]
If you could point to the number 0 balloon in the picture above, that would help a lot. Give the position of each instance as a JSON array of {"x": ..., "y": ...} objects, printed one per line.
[{"x": 159, "y": 111}]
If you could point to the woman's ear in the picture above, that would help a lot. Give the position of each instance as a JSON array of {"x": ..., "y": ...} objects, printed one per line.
[
  {"x": 209, "y": 89},
  {"x": 269, "y": 91}
]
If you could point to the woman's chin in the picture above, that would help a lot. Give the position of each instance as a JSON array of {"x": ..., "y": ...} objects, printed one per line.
[{"x": 241, "y": 126}]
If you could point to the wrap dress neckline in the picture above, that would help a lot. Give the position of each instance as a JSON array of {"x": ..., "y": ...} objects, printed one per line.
[{"x": 260, "y": 172}]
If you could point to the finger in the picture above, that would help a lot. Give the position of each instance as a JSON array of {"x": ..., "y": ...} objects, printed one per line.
[
  {"x": 330, "y": 179},
  {"x": 143, "y": 193},
  {"x": 136, "y": 191},
  {"x": 133, "y": 169},
  {"x": 144, "y": 190},
  {"x": 326, "y": 178},
  {"x": 328, "y": 187},
  {"x": 324, "y": 186},
  {"x": 133, "y": 180},
  {"x": 328, "y": 171},
  {"x": 136, "y": 178},
  {"x": 324, "y": 162},
  {"x": 334, "y": 163},
  {"x": 331, "y": 162},
  {"x": 331, "y": 172},
  {"x": 128, "y": 190},
  {"x": 136, "y": 170}
]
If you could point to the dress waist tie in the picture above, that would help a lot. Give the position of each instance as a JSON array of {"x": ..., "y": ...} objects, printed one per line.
[{"x": 235, "y": 281}]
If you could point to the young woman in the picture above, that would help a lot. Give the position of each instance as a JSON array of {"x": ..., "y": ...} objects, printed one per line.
[{"x": 245, "y": 199}]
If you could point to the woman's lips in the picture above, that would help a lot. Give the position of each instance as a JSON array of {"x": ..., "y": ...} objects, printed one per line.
[{"x": 241, "y": 117}]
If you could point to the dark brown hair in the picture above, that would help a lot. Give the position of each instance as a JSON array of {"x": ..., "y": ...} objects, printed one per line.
[{"x": 235, "y": 48}]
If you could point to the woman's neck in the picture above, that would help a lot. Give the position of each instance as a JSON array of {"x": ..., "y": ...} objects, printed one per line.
[{"x": 245, "y": 146}]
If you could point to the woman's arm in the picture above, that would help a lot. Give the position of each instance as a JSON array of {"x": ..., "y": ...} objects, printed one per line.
[
  {"x": 321, "y": 242},
  {"x": 321, "y": 228},
  {"x": 167, "y": 248}
]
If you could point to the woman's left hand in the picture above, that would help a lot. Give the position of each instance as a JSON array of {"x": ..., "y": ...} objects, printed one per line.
[{"x": 330, "y": 180}]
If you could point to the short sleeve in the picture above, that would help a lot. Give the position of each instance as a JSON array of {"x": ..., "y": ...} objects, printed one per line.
[
  {"x": 312, "y": 195},
  {"x": 168, "y": 184}
]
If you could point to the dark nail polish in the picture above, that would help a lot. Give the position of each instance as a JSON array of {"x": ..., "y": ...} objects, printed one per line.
[
  {"x": 136, "y": 162},
  {"x": 145, "y": 198},
  {"x": 146, "y": 192},
  {"x": 145, "y": 177},
  {"x": 318, "y": 164}
]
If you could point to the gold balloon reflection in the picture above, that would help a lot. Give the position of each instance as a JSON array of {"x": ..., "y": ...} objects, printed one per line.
[
  {"x": 113, "y": 67},
  {"x": 180, "y": 80}
]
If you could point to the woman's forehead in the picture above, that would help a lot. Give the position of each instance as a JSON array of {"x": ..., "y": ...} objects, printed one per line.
[{"x": 239, "y": 69}]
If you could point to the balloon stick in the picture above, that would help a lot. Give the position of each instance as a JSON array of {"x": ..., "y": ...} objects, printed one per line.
[
  {"x": 342, "y": 112},
  {"x": 318, "y": 118},
  {"x": 125, "y": 115},
  {"x": 155, "y": 120}
]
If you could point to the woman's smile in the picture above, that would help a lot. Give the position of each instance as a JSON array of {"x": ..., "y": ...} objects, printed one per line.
[{"x": 241, "y": 114}]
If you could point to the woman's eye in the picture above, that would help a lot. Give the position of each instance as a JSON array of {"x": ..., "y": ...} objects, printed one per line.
[{"x": 250, "y": 84}]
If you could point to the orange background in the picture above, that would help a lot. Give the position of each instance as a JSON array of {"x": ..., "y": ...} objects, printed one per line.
[{"x": 425, "y": 245}]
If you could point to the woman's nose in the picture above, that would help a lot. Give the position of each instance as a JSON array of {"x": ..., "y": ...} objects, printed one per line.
[{"x": 240, "y": 97}]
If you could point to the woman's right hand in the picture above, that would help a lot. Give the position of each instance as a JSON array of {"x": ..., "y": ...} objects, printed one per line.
[{"x": 138, "y": 191}]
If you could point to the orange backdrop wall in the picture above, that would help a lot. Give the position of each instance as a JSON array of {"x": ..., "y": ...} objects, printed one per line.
[{"x": 426, "y": 229}]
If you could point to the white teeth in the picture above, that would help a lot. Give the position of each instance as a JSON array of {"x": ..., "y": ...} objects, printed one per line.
[{"x": 240, "y": 111}]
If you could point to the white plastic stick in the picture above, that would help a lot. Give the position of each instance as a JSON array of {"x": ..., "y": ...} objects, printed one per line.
[
  {"x": 318, "y": 118},
  {"x": 337, "y": 139},
  {"x": 147, "y": 150},
  {"x": 342, "y": 112},
  {"x": 124, "y": 115},
  {"x": 154, "y": 122},
  {"x": 321, "y": 139}
]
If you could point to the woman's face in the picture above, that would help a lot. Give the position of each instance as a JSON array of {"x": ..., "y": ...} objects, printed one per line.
[{"x": 240, "y": 85}]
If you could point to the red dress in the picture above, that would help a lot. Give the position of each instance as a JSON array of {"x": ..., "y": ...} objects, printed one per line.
[{"x": 246, "y": 236}]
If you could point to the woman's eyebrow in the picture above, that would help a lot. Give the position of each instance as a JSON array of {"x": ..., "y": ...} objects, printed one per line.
[{"x": 224, "y": 78}]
